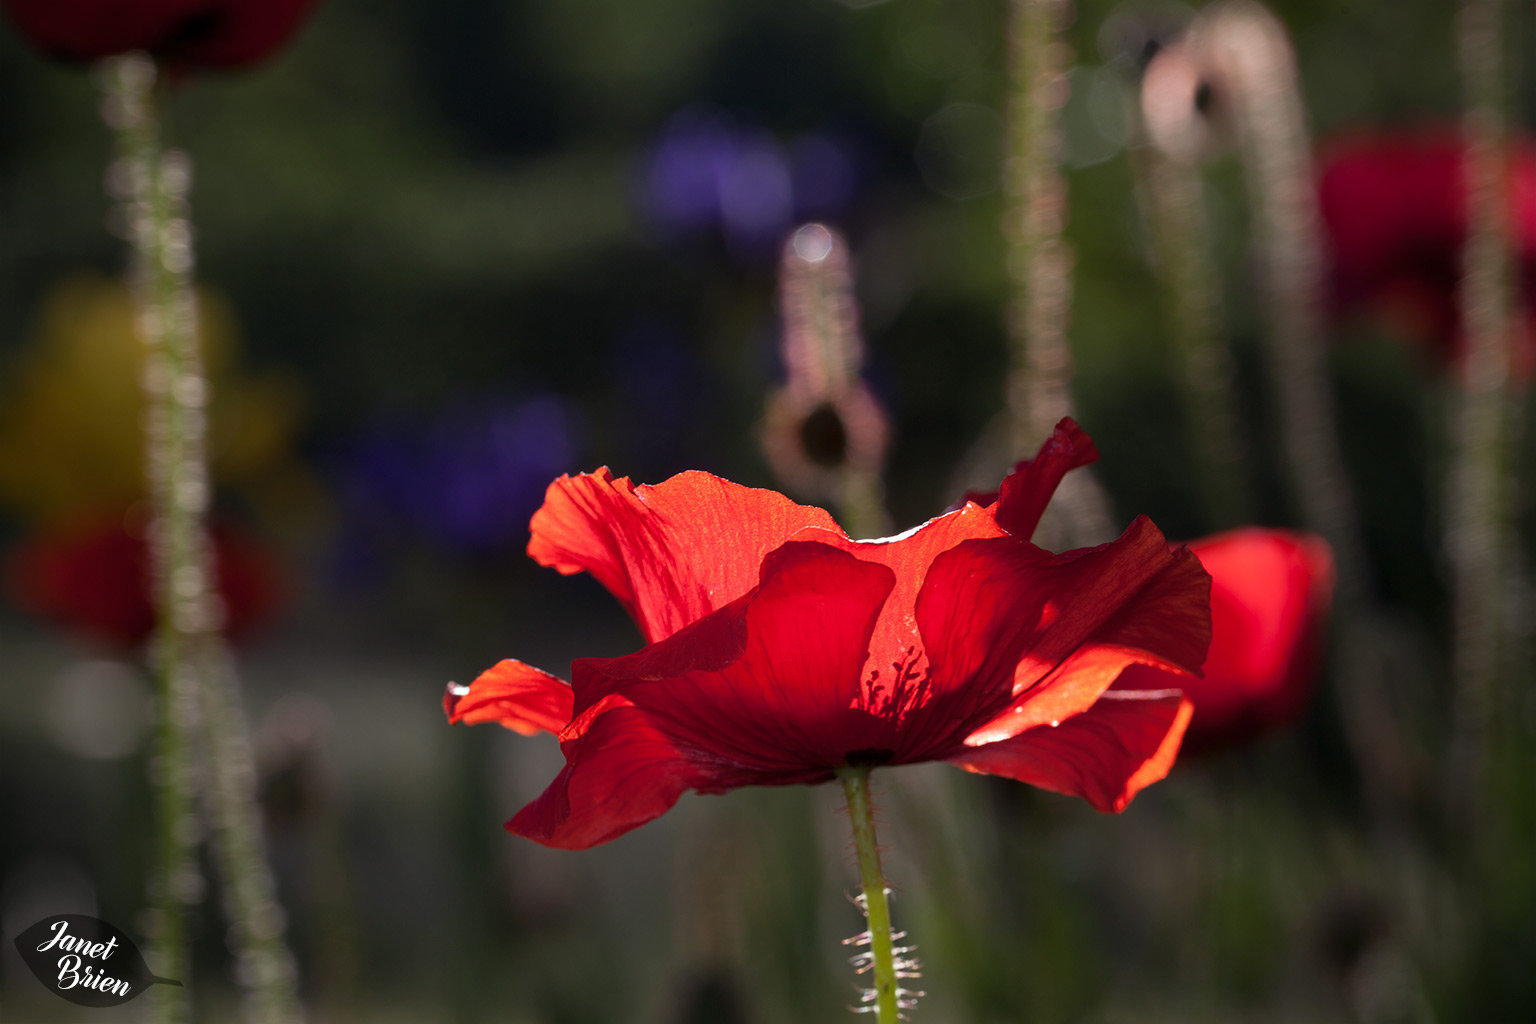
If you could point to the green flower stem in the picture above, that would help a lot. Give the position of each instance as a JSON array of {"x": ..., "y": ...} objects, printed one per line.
[
  {"x": 264, "y": 964},
  {"x": 1477, "y": 501},
  {"x": 875, "y": 906},
  {"x": 1039, "y": 262},
  {"x": 1250, "y": 52},
  {"x": 173, "y": 388},
  {"x": 198, "y": 703},
  {"x": 861, "y": 503},
  {"x": 1247, "y": 51},
  {"x": 1173, "y": 197}
]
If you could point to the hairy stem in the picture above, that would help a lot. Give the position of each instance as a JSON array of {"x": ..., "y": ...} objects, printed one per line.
[
  {"x": 1172, "y": 195},
  {"x": 198, "y": 705},
  {"x": 173, "y": 389},
  {"x": 264, "y": 964},
  {"x": 884, "y": 995},
  {"x": 1040, "y": 261},
  {"x": 1477, "y": 500}
]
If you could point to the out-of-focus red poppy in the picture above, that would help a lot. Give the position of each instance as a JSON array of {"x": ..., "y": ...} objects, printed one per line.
[
  {"x": 1270, "y": 591},
  {"x": 180, "y": 34},
  {"x": 1395, "y": 211},
  {"x": 780, "y": 650},
  {"x": 94, "y": 577}
]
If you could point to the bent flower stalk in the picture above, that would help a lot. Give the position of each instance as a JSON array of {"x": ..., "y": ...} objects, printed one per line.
[{"x": 781, "y": 651}]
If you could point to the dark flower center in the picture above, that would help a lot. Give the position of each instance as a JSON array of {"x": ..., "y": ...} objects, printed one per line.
[{"x": 869, "y": 757}]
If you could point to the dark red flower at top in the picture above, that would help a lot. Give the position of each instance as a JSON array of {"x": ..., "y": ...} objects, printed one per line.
[
  {"x": 94, "y": 578},
  {"x": 1395, "y": 212},
  {"x": 1270, "y": 591},
  {"x": 181, "y": 34},
  {"x": 779, "y": 650}
]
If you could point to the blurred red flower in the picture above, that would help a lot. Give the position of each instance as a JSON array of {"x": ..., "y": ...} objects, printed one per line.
[
  {"x": 180, "y": 34},
  {"x": 1395, "y": 211},
  {"x": 94, "y": 578},
  {"x": 780, "y": 650},
  {"x": 1270, "y": 592}
]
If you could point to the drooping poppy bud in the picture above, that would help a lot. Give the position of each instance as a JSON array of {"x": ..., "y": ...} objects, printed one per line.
[{"x": 824, "y": 432}]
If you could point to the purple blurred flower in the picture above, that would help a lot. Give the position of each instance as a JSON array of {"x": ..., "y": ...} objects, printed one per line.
[
  {"x": 709, "y": 171},
  {"x": 467, "y": 480},
  {"x": 666, "y": 407}
]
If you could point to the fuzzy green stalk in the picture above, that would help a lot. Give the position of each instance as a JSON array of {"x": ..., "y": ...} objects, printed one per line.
[
  {"x": 1039, "y": 262},
  {"x": 177, "y": 495},
  {"x": 198, "y": 707},
  {"x": 1252, "y": 56},
  {"x": 1478, "y": 531},
  {"x": 861, "y": 503},
  {"x": 1173, "y": 196},
  {"x": 885, "y": 994},
  {"x": 1246, "y": 50},
  {"x": 264, "y": 964}
]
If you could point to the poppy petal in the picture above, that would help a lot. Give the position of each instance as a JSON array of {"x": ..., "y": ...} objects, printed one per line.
[
  {"x": 1002, "y": 620},
  {"x": 908, "y": 555},
  {"x": 620, "y": 773},
  {"x": 1125, "y": 742},
  {"x": 1270, "y": 591},
  {"x": 1028, "y": 489},
  {"x": 670, "y": 553},
  {"x": 766, "y": 689},
  {"x": 525, "y": 699}
]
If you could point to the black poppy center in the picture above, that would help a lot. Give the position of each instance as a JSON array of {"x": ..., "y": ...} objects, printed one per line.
[{"x": 869, "y": 757}]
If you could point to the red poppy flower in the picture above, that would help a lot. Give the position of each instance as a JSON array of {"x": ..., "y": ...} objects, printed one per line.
[
  {"x": 781, "y": 650},
  {"x": 94, "y": 577},
  {"x": 1270, "y": 591},
  {"x": 1395, "y": 211},
  {"x": 180, "y": 34}
]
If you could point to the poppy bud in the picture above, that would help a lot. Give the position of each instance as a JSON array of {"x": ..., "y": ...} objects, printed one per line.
[{"x": 824, "y": 422}]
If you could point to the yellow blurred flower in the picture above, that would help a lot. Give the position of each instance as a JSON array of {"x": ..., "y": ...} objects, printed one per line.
[{"x": 71, "y": 407}]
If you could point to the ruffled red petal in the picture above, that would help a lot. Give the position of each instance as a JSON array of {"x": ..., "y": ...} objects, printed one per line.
[
  {"x": 1028, "y": 489},
  {"x": 1125, "y": 742},
  {"x": 757, "y": 693},
  {"x": 909, "y": 556},
  {"x": 766, "y": 689},
  {"x": 619, "y": 774},
  {"x": 525, "y": 699},
  {"x": 1053, "y": 632},
  {"x": 670, "y": 553}
]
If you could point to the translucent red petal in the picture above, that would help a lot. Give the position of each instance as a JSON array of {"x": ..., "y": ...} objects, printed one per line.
[
  {"x": 1125, "y": 742},
  {"x": 525, "y": 699},
  {"x": 671, "y": 553}
]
